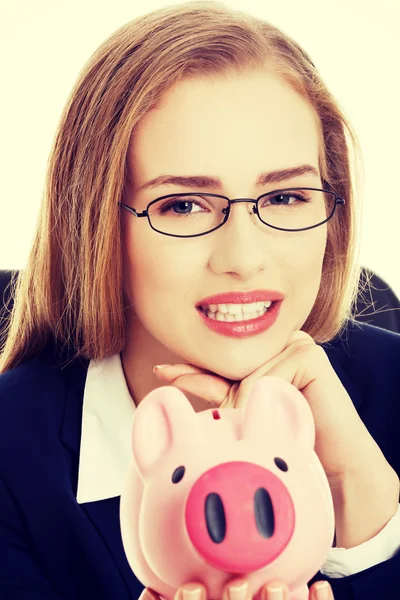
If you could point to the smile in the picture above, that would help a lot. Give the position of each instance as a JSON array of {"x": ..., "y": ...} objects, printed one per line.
[
  {"x": 236, "y": 312},
  {"x": 232, "y": 321}
]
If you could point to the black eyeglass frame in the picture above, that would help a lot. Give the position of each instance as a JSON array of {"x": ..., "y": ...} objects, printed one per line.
[{"x": 226, "y": 211}]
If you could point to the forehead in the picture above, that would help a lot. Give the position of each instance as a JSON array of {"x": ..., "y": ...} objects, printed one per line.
[{"x": 233, "y": 127}]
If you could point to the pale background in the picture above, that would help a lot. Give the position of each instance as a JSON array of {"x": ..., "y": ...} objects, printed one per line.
[{"x": 44, "y": 44}]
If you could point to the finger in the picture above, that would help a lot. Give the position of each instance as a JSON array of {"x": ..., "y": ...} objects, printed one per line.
[
  {"x": 221, "y": 392},
  {"x": 210, "y": 388},
  {"x": 172, "y": 371},
  {"x": 299, "y": 336},
  {"x": 230, "y": 400},
  {"x": 200, "y": 383},
  {"x": 237, "y": 589},
  {"x": 283, "y": 365},
  {"x": 191, "y": 591},
  {"x": 274, "y": 591},
  {"x": 321, "y": 590}
]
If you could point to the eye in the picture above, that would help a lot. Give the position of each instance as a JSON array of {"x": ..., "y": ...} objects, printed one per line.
[
  {"x": 178, "y": 474},
  {"x": 280, "y": 463},
  {"x": 180, "y": 206}
]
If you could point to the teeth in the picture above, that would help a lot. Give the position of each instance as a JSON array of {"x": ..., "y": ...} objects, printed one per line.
[
  {"x": 219, "y": 316},
  {"x": 247, "y": 309},
  {"x": 234, "y": 309},
  {"x": 238, "y": 309}
]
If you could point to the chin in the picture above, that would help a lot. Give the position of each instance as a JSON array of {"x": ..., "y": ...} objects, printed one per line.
[
  {"x": 232, "y": 370},
  {"x": 241, "y": 363}
]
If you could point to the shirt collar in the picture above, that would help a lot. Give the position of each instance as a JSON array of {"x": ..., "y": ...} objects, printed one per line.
[{"x": 107, "y": 417}]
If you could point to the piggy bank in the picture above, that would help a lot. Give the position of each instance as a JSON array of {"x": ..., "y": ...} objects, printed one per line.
[{"x": 226, "y": 493}]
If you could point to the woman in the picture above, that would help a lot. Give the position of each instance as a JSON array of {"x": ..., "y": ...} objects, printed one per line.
[{"x": 213, "y": 105}]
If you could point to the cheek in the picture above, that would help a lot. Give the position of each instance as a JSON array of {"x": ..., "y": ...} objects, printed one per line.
[
  {"x": 161, "y": 270},
  {"x": 307, "y": 255},
  {"x": 306, "y": 271}
]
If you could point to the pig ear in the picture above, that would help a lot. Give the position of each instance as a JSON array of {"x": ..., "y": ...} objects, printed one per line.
[
  {"x": 162, "y": 417},
  {"x": 276, "y": 407}
]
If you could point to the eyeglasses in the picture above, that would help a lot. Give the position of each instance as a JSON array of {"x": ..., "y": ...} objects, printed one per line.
[{"x": 191, "y": 215}]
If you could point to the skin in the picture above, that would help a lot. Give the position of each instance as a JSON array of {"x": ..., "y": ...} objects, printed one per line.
[
  {"x": 237, "y": 590},
  {"x": 236, "y": 128},
  {"x": 192, "y": 134}
]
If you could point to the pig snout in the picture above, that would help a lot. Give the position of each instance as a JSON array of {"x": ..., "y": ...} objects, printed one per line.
[{"x": 239, "y": 516}]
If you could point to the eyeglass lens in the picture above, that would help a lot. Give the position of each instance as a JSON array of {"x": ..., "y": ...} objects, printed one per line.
[{"x": 190, "y": 215}]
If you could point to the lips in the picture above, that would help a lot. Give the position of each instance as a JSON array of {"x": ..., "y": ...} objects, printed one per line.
[
  {"x": 241, "y": 298},
  {"x": 242, "y": 328}
]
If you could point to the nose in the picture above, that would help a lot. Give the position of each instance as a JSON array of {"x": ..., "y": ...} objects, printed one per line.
[
  {"x": 237, "y": 212},
  {"x": 239, "y": 517},
  {"x": 242, "y": 246}
]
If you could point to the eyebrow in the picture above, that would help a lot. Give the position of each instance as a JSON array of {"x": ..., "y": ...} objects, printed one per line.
[{"x": 205, "y": 181}]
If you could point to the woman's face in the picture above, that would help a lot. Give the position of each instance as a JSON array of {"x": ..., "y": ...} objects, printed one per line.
[{"x": 233, "y": 129}]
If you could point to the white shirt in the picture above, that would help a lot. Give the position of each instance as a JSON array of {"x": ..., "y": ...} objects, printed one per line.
[{"x": 105, "y": 456}]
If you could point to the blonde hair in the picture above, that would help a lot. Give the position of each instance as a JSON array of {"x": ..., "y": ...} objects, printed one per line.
[{"x": 71, "y": 290}]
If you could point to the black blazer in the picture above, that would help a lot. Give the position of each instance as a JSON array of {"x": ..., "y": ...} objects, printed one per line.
[{"x": 53, "y": 548}]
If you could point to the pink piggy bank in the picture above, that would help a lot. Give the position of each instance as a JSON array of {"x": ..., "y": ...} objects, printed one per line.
[{"x": 227, "y": 493}]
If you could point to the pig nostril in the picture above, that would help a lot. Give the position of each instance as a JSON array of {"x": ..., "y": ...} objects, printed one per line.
[
  {"x": 280, "y": 463},
  {"x": 264, "y": 513},
  {"x": 178, "y": 474},
  {"x": 215, "y": 518}
]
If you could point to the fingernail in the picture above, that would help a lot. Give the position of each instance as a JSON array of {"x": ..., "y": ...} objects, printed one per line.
[
  {"x": 159, "y": 367},
  {"x": 191, "y": 591},
  {"x": 321, "y": 590},
  {"x": 275, "y": 591},
  {"x": 238, "y": 590}
]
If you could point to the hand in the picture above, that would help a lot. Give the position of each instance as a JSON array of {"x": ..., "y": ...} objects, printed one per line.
[
  {"x": 355, "y": 467},
  {"x": 341, "y": 438},
  {"x": 238, "y": 590}
]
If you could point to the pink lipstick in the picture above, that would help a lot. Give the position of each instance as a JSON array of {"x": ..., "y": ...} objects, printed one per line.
[{"x": 237, "y": 326}]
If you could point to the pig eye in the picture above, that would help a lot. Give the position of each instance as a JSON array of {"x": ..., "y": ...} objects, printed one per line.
[
  {"x": 280, "y": 463},
  {"x": 178, "y": 474}
]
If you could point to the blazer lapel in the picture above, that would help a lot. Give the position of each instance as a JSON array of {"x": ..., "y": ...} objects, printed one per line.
[{"x": 103, "y": 514}]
